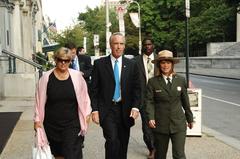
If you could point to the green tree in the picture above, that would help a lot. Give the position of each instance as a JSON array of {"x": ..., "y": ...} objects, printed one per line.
[
  {"x": 95, "y": 23},
  {"x": 164, "y": 20},
  {"x": 73, "y": 34},
  {"x": 132, "y": 36},
  {"x": 210, "y": 21},
  {"x": 131, "y": 32}
]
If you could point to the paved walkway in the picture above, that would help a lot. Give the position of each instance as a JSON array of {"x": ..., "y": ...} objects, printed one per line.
[{"x": 20, "y": 143}]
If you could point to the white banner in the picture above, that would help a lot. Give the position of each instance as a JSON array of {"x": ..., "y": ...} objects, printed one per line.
[
  {"x": 121, "y": 10},
  {"x": 95, "y": 39},
  {"x": 187, "y": 7},
  {"x": 135, "y": 19},
  {"x": 85, "y": 44},
  {"x": 121, "y": 23}
]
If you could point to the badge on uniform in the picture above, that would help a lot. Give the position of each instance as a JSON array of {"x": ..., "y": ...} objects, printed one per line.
[{"x": 179, "y": 88}]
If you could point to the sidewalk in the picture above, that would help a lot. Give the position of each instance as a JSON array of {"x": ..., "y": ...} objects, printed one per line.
[{"x": 19, "y": 145}]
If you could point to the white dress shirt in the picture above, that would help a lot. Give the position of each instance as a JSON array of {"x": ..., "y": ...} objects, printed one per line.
[
  {"x": 145, "y": 59},
  {"x": 165, "y": 78}
]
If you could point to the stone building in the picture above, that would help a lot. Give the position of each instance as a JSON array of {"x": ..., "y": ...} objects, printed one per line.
[{"x": 20, "y": 33}]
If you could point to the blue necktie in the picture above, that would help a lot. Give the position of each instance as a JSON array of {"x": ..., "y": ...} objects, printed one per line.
[
  {"x": 74, "y": 65},
  {"x": 117, "y": 82}
]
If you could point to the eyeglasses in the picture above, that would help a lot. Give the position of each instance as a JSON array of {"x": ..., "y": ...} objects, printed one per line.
[{"x": 63, "y": 60}]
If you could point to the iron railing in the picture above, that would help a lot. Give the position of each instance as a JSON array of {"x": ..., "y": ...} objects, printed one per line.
[{"x": 12, "y": 62}]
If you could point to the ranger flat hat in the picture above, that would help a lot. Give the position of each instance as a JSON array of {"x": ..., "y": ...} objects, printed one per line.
[{"x": 165, "y": 55}]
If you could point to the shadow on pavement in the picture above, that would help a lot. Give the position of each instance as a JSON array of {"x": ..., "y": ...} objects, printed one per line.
[{"x": 8, "y": 121}]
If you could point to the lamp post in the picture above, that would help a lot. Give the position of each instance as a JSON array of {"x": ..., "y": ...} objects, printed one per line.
[
  {"x": 238, "y": 23},
  {"x": 108, "y": 24},
  {"x": 139, "y": 30},
  {"x": 238, "y": 8},
  {"x": 187, "y": 9}
]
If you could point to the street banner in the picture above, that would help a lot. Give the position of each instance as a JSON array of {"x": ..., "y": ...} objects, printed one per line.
[
  {"x": 187, "y": 8},
  {"x": 121, "y": 24},
  {"x": 85, "y": 44},
  {"x": 95, "y": 40},
  {"x": 121, "y": 10},
  {"x": 135, "y": 19},
  {"x": 108, "y": 50}
]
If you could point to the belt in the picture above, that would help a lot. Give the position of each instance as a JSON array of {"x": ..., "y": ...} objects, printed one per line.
[{"x": 116, "y": 103}]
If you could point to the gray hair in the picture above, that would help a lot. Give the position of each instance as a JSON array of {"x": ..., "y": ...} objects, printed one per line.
[{"x": 116, "y": 34}]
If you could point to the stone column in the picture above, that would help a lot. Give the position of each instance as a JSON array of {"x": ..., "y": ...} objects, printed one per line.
[
  {"x": 38, "y": 18},
  {"x": 2, "y": 22},
  {"x": 27, "y": 35},
  {"x": 16, "y": 29}
]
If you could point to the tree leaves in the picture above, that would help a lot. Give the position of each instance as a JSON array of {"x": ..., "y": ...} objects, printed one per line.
[{"x": 165, "y": 21}]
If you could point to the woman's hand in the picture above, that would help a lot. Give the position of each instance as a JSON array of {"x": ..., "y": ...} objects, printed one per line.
[
  {"x": 37, "y": 124},
  {"x": 95, "y": 117},
  {"x": 88, "y": 118},
  {"x": 134, "y": 114},
  {"x": 152, "y": 124}
]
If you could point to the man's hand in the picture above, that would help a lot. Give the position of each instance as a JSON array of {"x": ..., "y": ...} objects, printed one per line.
[
  {"x": 95, "y": 117},
  {"x": 152, "y": 124},
  {"x": 134, "y": 114},
  {"x": 190, "y": 125}
]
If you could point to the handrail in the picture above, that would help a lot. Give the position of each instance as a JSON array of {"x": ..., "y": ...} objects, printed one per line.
[
  {"x": 40, "y": 67},
  {"x": 22, "y": 59},
  {"x": 39, "y": 57}
]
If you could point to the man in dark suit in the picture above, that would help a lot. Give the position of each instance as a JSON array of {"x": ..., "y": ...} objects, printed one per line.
[
  {"x": 167, "y": 107},
  {"x": 147, "y": 70},
  {"x": 115, "y": 97},
  {"x": 74, "y": 63},
  {"x": 80, "y": 62},
  {"x": 85, "y": 65}
]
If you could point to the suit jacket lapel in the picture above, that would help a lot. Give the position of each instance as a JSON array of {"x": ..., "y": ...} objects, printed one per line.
[
  {"x": 109, "y": 68},
  {"x": 174, "y": 81},
  {"x": 124, "y": 69},
  {"x": 156, "y": 68},
  {"x": 142, "y": 66},
  {"x": 163, "y": 84}
]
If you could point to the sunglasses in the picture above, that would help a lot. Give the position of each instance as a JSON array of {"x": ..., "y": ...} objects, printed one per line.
[{"x": 63, "y": 60}]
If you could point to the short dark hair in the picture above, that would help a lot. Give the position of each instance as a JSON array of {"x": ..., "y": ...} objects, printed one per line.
[
  {"x": 148, "y": 38},
  {"x": 70, "y": 45},
  {"x": 80, "y": 48}
]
